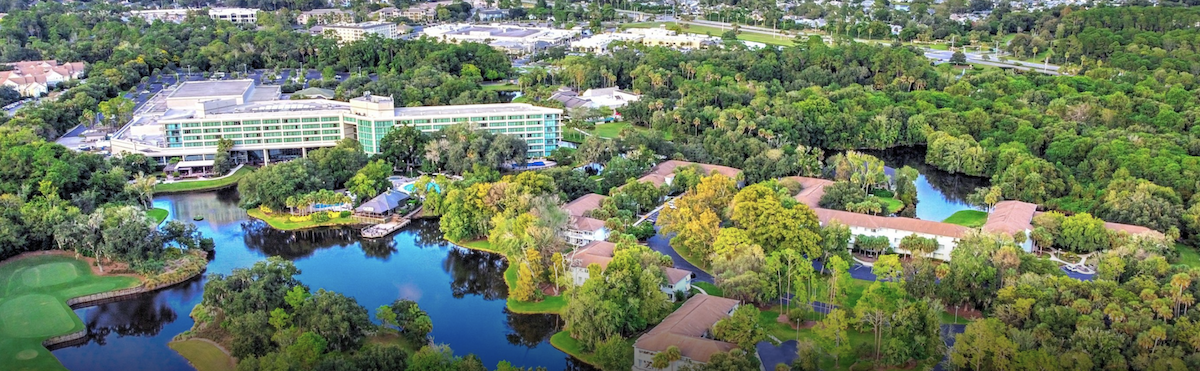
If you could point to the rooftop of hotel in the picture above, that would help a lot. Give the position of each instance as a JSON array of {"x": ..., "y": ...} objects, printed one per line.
[
  {"x": 472, "y": 109},
  {"x": 215, "y": 89}
]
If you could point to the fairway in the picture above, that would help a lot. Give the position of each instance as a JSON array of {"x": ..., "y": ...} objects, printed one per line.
[{"x": 33, "y": 306}]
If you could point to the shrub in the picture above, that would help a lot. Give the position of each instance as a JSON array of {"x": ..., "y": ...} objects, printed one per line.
[
  {"x": 297, "y": 219},
  {"x": 344, "y": 214},
  {"x": 882, "y": 193},
  {"x": 320, "y": 217}
]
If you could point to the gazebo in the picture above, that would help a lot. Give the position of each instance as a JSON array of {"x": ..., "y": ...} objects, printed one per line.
[{"x": 382, "y": 205}]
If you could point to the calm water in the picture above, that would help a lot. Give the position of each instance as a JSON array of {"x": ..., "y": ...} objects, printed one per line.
[
  {"x": 463, "y": 290},
  {"x": 939, "y": 193}
]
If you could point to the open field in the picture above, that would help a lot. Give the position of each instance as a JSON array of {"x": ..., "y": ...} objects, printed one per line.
[
  {"x": 744, "y": 35},
  {"x": 614, "y": 129},
  {"x": 1188, "y": 255},
  {"x": 203, "y": 185},
  {"x": 33, "y": 308},
  {"x": 204, "y": 356},
  {"x": 894, "y": 205},
  {"x": 968, "y": 218}
]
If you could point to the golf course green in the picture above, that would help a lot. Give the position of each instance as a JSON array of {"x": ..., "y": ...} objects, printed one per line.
[{"x": 33, "y": 305}]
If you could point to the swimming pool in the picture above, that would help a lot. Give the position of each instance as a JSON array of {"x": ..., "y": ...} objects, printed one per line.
[{"x": 408, "y": 188}]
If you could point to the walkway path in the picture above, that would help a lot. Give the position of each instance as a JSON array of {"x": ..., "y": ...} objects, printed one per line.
[{"x": 201, "y": 179}]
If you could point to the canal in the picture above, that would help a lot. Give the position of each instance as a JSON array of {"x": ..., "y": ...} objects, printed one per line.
[{"x": 463, "y": 290}]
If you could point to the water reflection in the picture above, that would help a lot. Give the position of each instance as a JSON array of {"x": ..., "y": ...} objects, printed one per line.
[
  {"x": 939, "y": 193},
  {"x": 463, "y": 290}
]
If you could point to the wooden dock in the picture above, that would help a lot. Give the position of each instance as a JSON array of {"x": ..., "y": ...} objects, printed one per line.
[{"x": 382, "y": 230}]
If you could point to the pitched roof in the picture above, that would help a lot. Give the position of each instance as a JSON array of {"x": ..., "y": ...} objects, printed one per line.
[
  {"x": 382, "y": 203},
  {"x": 595, "y": 252},
  {"x": 687, "y": 326},
  {"x": 658, "y": 174},
  {"x": 583, "y": 204},
  {"x": 1131, "y": 229},
  {"x": 1009, "y": 217},
  {"x": 813, "y": 188},
  {"x": 674, "y": 275}
]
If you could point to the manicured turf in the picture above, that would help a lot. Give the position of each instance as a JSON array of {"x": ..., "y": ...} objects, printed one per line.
[
  {"x": 203, "y": 185},
  {"x": 203, "y": 355},
  {"x": 968, "y": 218},
  {"x": 614, "y": 129},
  {"x": 564, "y": 342},
  {"x": 709, "y": 288},
  {"x": 33, "y": 295},
  {"x": 158, "y": 215},
  {"x": 745, "y": 35},
  {"x": 501, "y": 87},
  {"x": 549, "y": 304},
  {"x": 282, "y": 221},
  {"x": 1188, "y": 255},
  {"x": 894, "y": 205}
]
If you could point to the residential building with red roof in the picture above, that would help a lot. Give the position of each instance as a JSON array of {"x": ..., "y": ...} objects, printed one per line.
[
  {"x": 689, "y": 328},
  {"x": 35, "y": 78}
]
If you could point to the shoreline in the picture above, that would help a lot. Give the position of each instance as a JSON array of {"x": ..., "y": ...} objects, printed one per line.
[
  {"x": 509, "y": 301},
  {"x": 89, "y": 300},
  {"x": 338, "y": 222}
]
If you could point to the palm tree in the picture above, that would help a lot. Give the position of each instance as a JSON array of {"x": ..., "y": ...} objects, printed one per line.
[{"x": 143, "y": 187}]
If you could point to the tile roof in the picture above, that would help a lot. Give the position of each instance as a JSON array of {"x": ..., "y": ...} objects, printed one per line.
[
  {"x": 813, "y": 188},
  {"x": 1009, "y": 217},
  {"x": 583, "y": 204},
  {"x": 659, "y": 173},
  {"x": 686, "y": 329}
]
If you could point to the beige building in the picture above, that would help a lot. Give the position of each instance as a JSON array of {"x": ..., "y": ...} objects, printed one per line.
[
  {"x": 386, "y": 14},
  {"x": 325, "y": 16},
  {"x": 671, "y": 39},
  {"x": 165, "y": 15},
  {"x": 422, "y": 11},
  {"x": 351, "y": 32},
  {"x": 35, "y": 78},
  {"x": 581, "y": 229},
  {"x": 689, "y": 328},
  {"x": 601, "y": 253}
]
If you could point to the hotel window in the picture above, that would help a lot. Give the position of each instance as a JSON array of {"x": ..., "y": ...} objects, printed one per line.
[
  {"x": 290, "y": 121},
  {"x": 291, "y": 127},
  {"x": 421, "y": 121},
  {"x": 212, "y": 137},
  {"x": 312, "y": 139},
  {"x": 312, "y": 132},
  {"x": 253, "y": 135},
  {"x": 210, "y": 144},
  {"x": 291, "y": 133},
  {"x": 271, "y": 121},
  {"x": 460, "y": 119},
  {"x": 495, "y": 118},
  {"x": 271, "y": 127},
  {"x": 516, "y": 117},
  {"x": 329, "y": 125},
  {"x": 291, "y": 140},
  {"x": 329, "y": 119},
  {"x": 406, "y": 122},
  {"x": 232, "y": 123},
  {"x": 237, "y": 142},
  {"x": 230, "y": 130},
  {"x": 233, "y": 136},
  {"x": 273, "y": 134},
  {"x": 251, "y": 122},
  {"x": 311, "y": 126},
  {"x": 329, "y": 131},
  {"x": 330, "y": 138},
  {"x": 212, "y": 123},
  {"x": 274, "y": 140},
  {"x": 253, "y": 141},
  {"x": 212, "y": 130},
  {"x": 192, "y": 125},
  {"x": 310, "y": 119},
  {"x": 441, "y": 121},
  {"x": 251, "y": 128},
  {"x": 193, "y": 144},
  {"x": 534, "y": 116},
  {"x": 477, "y": 119}
]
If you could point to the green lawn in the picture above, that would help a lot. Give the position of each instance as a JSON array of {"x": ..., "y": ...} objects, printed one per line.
[
  {"x": 1188, "y": 255},
  {"x": 203, "y": 355},
  {"x": 550, "y": 304},
  {"x": 968, "y": 218},
  {"x": 894, "y": 205},
  {"x": 614, "y": 129},
  {"x": 33, "y": 308},
  {"x": 692, "y": 258},
  {"x": 158, "y": 215},
  {"x": 711, "y": 289},
  {"x": 563, "y": 341},
  {"x": 203, "y": 185},
  {"x": 501, "y": 87},
  {"x": 282, "y": 221}
]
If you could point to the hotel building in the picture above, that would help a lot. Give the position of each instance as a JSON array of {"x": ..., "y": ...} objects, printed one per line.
[
  {"x": 187, "y": 122},
  {"x": 351, "y": 32}
]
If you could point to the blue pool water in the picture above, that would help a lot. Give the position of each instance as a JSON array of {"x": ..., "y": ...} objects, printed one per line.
[{"x": 408, "y": 188}]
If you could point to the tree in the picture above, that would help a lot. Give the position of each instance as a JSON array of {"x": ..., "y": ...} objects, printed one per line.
[
  {"x": 832, "y": 335},
  {"x": 663, "y": 359},
  {"x": 958, "y": 58},
  {"x": 1083, "y": 233},
  {"x": 774, "y": 224},
  {"x": 839, "y": 279},
  {"x": 741, "y": 328},
  {"x": 614, "y": 354},
  {"x": 143, "y": 187},
  {"x": 404, "y": 146},
  {"x": 222, "y": 163},
  {"x": 876, "y": 307},
  {"x": 985, "y": 342},
  {"x": 116, "y": 111},
  {"x": 371, "y": 180},
  {"x": 526, "y": 285}
]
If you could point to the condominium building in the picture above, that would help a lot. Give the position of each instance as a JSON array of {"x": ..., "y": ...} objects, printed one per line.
[
  {"x": 188, "y": 121},
  {"x": 165, "y": 15},
  {"x": 351, "y": 32},
  {"x": 235, "y": 15},
  {"x": 599, "y": 44},
  {"x": 35, "y": 78},
  {"x": 688, "y": 329},
  {"x": 325, "y": 16},
  {"x": 582, "y": 229}
]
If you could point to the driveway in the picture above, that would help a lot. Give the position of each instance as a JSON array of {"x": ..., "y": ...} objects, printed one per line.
[
  {"x": 857, "y": 271},
  {"x": 662, "y": 244},
  {"x": 772, "y": 355}
]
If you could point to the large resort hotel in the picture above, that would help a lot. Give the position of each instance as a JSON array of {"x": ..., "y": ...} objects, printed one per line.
[{"x": 187, "y": 122}]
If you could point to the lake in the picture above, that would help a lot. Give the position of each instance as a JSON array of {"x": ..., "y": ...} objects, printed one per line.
[
  {"x": 462, "y": 290},
  {"x": 939, "y": 193}
]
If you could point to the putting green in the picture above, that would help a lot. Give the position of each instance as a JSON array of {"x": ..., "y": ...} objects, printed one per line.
[
  {"x": 49, "y": 274},
  {"x": 33, "y": 306}
]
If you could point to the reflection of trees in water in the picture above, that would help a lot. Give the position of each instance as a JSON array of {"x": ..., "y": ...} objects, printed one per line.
[
  {"x": 292, "y": 245},
  {"x": 427, "y": 231},
  {"x": 143, "y": 315},
  {"x": 577, "y": 365},
  {"x": 476, "y": 273},
  {"x": 954, "y": 187},
  {"x": 529, "y": 330},
  {"x": 218, "y": 208}
]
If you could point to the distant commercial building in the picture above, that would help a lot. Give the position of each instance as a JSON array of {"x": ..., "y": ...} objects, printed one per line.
[
  {"x": 489, "y": 15},
  {"x": 35, "y": 78},
  {"x": 689, "y": 329},
  {"x": 646, "y": 36},
  {"x": 188, "y": 121},
  {"x": 165, "y": 15},
  {"x": 386, "y": 14},
  {"x": 325, "y": 16},
  {"x": 582, "y": 229},
  {"x": 235, "y": 15},
  {"x": 422, "y": 11},
  {"x": 512, "y": 39},
  {"x": 611, "y": 97},
  {"x": 601, "y": 253},
  {"x": 351, "y": 32}
]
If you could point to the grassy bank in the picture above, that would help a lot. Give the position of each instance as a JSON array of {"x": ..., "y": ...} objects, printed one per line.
[
  {"x": 894, "y": 205},
  {"x": 284, "y": 222},
  {"x": 501, "y": 87},
  {"x": 563, "y": 341},
  {"x": 709, "y": 288},
  {"x": 550, "y": 304},
  {"x": 33, "y": 305},
  {"x": 158, "y": 215},
  {"x": 202, "y": 355},
  {"x": 203, "y": 185},
  {"x": 968, "y": 218}
]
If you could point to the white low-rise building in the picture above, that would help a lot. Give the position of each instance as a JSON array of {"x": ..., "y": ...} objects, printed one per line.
[
  {"x": 611, "y": 97},
  {"x": 165, "y": 15},
  {"x": 325, "y": 16},
  {"x": 235, "y": 15},
  {"x": 514, "y": 39},
  {"x": 646, "y": 36},
  {"x": 351, "y": 32},
  {"x": 601, "y": 253},
  {"x": 582, "y": 229}
]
